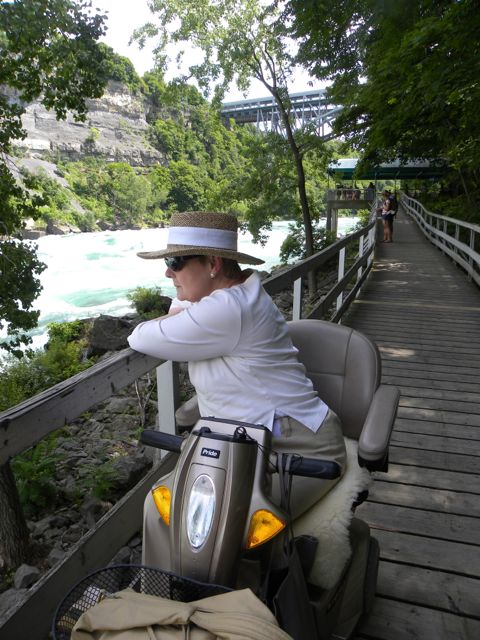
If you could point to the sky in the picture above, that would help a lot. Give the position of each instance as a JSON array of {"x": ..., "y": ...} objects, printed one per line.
[{"x": 126, "y": 15}]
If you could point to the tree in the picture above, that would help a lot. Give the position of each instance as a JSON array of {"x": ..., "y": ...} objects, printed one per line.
[
  {"x": 48, "y": 50},
  {"x": 240, "y": 40},
  {"x": 405, "y": 72}
]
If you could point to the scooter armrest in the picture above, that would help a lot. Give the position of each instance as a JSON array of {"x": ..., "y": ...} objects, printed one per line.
[{"x": 377, "y": 429}]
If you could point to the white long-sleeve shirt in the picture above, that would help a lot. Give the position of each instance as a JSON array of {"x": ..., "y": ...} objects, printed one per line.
[{"x": 241, "y": 359}]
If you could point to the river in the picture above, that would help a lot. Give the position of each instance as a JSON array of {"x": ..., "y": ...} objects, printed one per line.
[{"x": 89, "y": 274}]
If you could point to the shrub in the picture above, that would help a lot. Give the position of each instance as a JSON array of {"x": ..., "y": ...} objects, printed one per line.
[
  {"x": 34, "y": 471},
  {"x": 148, "y": 302}
]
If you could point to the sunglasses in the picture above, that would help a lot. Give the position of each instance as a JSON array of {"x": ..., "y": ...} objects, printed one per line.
[{"x": 178, "y": 262}]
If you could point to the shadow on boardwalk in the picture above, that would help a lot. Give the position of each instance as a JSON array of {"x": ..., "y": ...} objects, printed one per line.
[{"x": 424, "y": 315}]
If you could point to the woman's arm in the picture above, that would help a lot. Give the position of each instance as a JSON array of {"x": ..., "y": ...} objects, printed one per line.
[{"x": 208, "y": 329}]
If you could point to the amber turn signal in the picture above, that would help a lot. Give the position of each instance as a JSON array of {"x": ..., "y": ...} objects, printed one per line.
[
  {"x": 264, "y": 525},
  {"x": 163, "y": 500}
]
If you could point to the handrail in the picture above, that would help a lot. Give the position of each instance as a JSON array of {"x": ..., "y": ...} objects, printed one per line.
[
  {"x": 456, "y": 238},
  {"x": 27, "y": 423}
]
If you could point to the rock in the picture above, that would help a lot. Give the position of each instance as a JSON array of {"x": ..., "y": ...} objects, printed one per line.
[
  {"x": 9, "y": 599},
  {"x": 122, "y": 556},
  {"x": 108, "y": 333},
  {"x": 93, "y": 509},
  {"x": 114, "y": 130},
  {"x": 56, "y": 555},
  {"x": 60, "y": 229},
  {"x": 25, "y": 576},
  {"x": 121, "y": 405},
  {"x": 128, "y": 470}
]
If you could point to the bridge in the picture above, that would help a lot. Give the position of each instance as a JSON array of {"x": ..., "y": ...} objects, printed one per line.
[
  {"x": 418, "y": 298},
  {"x": 306, "y": 107}
]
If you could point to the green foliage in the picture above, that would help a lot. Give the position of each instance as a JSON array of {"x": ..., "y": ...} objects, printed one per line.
[
  {"x": 114, "y": 192},
  {"x": 21, "y": 379},
  {"x": 97, "y": 480},
  {"x": 148, "y": 302},
  {"x": 119, "y": 68},
  {"x": 293, "y": 247},
  {"x": 48, "y": 50},
  {"x": 34, "y": 472},
  {"x": 56, "y": 199},
  {"x": 406, "y": 74},
  {"x": 93, "y": 136},
  {"x": 239, "y": 40}
]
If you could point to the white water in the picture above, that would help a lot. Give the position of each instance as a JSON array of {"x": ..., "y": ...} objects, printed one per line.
[{"x": 91, "y": 273}]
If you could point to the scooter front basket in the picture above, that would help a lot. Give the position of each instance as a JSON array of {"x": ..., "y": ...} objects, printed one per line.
[{"x": 155, "y": 582}]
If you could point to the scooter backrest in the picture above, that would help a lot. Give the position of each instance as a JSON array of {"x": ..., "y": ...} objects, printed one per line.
[{"x": 344, "y": 366}]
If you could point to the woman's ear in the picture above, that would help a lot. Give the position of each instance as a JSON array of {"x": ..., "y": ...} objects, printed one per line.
[{"x": 216, "y": 264}]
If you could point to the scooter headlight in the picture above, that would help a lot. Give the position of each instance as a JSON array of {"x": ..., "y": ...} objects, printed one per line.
[
  {"x": 200, "y": 510},
  {"x": 163, "y": 500},
  {"x": 264, "y": 525}
]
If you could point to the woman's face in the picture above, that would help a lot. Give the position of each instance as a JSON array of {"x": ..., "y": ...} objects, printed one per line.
[{"x": 193, "y": 282}]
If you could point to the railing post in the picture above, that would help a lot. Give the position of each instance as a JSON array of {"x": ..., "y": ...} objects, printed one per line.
[
  {"x": 341, "y": 273},
  {"x": 168, "y": 395},
  {"x": 360, "y": 254},
  {"x": 297, "y": 299},
  {"x": 470, "y": 259}
]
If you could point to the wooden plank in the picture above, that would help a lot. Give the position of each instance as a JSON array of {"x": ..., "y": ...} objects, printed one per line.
[
  {"x": 434, "y": 589},
  {"x": 439, "y": 416},
  {"x": 432, "y": 380},
  {"x": 437, "y": 428},
  {"x": 431, "y": 524},
  {"x": 441, "y": 404},
  {"x": 458, "y": 395},
  {"x": 393, "y": 620},
  {"x": 468, "y": 351},
  {"x": 452, "y": 502},
  {"x": 443, "y": 555},
  {"x": 437, "y": 479},
  {"x": 434, "y": 372},
  {"x": 437, "y": 443},
  {"x": 411, "y": 356},
  {"x": 434, "y": 459}
]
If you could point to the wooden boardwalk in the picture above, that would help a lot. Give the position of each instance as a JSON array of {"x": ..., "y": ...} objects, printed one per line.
[{"x": 424, "y": 315}]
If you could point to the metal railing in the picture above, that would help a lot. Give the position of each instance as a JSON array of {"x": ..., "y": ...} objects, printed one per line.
[
  {"x": 27, "y": 423},
  {"x": 457, "y": 239}
]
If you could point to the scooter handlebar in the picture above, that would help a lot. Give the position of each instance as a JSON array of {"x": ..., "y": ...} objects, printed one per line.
[
  {"x": 309, "y": 467},
  {"x": 165, "y": 441}
]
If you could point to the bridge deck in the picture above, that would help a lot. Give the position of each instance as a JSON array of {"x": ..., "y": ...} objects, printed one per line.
[{"x": 424, "y": 315}]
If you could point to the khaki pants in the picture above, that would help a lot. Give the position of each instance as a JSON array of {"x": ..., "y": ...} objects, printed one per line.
[{"x": 326, "y": 444}]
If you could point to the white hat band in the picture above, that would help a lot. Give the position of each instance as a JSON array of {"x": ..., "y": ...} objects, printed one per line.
[{"x": 203, "y": 237}]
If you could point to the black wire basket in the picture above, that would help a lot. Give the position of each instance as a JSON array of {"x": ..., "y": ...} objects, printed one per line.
[{"x": 155, "y": 582}]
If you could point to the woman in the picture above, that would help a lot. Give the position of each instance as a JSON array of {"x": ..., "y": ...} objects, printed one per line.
[
  {"x": 387, "y": 218},
  {"x": 241, "y": 359}
]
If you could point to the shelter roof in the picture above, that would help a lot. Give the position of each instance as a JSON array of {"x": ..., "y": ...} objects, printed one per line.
[{"x": 344, "y": 169}]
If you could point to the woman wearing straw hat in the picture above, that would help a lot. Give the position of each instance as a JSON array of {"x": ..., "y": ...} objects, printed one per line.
[{"x": 241, "y": 359}]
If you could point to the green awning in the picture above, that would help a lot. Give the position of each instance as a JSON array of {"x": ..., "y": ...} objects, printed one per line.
[{"x": 344, "y": 169}]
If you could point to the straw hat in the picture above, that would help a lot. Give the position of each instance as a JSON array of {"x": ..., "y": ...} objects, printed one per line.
[{"x": 202, "y": 233}]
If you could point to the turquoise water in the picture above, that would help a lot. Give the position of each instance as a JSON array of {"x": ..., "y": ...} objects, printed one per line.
[{"x": 91, "y": 273}]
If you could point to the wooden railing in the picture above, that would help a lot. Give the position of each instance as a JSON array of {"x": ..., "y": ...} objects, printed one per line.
[
  {"x": 24, "y": 425},
  {"x": 457, "y": 239}
]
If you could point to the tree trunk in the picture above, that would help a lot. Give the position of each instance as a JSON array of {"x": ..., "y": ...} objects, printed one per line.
[
  {"x": 302, "y": 190},
  {"x": 14, "y": 534}
]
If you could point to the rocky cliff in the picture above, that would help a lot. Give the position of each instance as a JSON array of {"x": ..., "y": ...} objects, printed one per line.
[{"x": 115, "y": 130}]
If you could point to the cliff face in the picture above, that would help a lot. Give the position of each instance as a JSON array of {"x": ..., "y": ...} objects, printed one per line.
[{"x": 114, "y": 130}]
